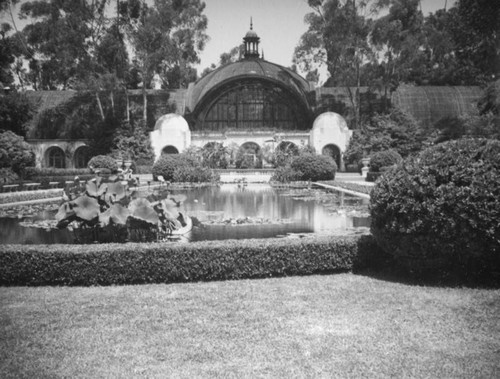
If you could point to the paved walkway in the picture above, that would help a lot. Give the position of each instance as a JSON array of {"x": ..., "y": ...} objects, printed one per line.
[{"x": 352, "y": 177}]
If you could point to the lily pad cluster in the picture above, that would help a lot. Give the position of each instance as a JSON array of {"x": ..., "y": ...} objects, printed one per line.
[{"x": 112, "y": 206}]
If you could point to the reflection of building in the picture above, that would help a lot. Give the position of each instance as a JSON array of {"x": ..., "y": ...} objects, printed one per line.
[{"x": 255, "y": 105}]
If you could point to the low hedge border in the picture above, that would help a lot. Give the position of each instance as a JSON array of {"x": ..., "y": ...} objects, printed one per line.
[
  {"x": 141, "y": 263},
  {"x": 15, "y": 197}
]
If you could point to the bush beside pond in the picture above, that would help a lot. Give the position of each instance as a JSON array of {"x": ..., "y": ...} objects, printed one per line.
[
  {"x": 306, "y": 167},
  {"x": 438, "y": 213},
  {"x": 133, "y": 263},
  {"x": 182, "y": 168}
]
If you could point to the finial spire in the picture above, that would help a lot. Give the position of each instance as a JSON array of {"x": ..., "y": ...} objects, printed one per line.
[{"x": 251, "y": 23}]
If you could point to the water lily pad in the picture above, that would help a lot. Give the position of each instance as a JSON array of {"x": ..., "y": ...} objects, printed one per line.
[
  {"x": 116, "y": 213},
  {"x": 142, "y": 210},
  {"x": 94, "y": 189},
  {"x": 86, "y": 208},
  {"x": 116, "y": 192}
]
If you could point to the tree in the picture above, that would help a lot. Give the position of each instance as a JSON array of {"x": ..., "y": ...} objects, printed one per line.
[
  {"x": 338, "y": 38},
  {"x": 15, "y": 112},
  {"x": 166, "y": 37},
  {"x": 63, "y": 39},
  {"x": 399, "y": 37},
  {"x": 15, "y": 153},
  {"x": 477, "y": 39},
  {"x": 231, "y": 56}
]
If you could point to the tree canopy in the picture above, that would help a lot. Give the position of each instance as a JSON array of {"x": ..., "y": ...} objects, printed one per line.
[{"x": 382, "y": 43}]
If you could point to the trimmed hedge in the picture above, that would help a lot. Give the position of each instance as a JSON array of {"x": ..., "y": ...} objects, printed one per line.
[
  {"x": 314, "y": 167},
  {"x": 383, "y": 159},
  {"x": 103, "y": 162},
  {"x": 14, "y": 197},
  {"x": 33, "y": 172},
  {"x": 138, "y": 263},
  {"x": 438, "y": 213}
]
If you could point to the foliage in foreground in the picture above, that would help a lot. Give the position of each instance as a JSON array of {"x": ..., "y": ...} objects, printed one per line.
[
  {"x": 133, "y": 263},
  {"x": 106, "y": 210},
  {"x": 438, "y": 213}
]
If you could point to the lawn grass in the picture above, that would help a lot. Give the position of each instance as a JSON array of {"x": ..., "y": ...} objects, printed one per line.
[{"x": 341, "y": 325}]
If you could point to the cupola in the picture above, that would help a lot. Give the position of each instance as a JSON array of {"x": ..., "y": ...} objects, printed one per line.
[{"x": 251, "y": 41}]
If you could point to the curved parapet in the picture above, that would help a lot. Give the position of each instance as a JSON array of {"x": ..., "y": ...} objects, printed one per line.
[
  {"x": 171, "y": 130},
  {"x": 330, "y": 135}
]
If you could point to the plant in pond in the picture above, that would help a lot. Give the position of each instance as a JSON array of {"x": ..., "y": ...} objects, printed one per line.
[{"x": 107, "y": 210}]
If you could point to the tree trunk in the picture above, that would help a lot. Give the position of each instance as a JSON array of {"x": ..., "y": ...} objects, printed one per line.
[
  {"x": 99, "y": 105},
  {"x": 145, "y": 104},
  {"x": 127, "y": 106},
  {"x": 112, "y": 99}
]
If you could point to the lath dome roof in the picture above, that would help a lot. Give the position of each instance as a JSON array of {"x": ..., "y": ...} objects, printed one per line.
[{"x": 258, "y": 69}]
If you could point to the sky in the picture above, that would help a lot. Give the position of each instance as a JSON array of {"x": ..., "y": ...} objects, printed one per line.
[{"x": 279, "y": 24}]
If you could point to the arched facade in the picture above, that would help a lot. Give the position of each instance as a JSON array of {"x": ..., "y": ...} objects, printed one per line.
[{"x": 59, "y": 153}]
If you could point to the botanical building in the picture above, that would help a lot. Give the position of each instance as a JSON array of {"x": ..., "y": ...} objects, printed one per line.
[{"x": 256, "y": 105}]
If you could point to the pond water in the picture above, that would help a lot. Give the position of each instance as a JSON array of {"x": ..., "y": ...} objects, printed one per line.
[{"x": 230, "y": 211}]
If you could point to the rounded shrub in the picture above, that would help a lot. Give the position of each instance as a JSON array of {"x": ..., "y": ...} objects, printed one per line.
[
  {"x": 103, "y": 162},
  {"x": 314, "y": 167},
  {"x": 285, "y": 175},
  {"x": 383, "y": 159},
  {"x": 438, "y": 213},
  {"x": 167, "y": 164},
  {"x": 197, "y": 174},
  {"x": 7, "y": 176}
]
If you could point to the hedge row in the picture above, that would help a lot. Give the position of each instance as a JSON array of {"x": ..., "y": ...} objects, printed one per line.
[
  {"x": 14, "y": 197},
  {"x": 32, "y": 172},
  {"x": 138, "y": 263}
]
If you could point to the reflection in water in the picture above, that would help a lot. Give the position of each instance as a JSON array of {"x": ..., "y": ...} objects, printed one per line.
[{"x": 220, "y": 207}]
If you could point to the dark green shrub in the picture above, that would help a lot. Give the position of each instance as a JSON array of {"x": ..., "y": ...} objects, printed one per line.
[
  {"x": 7, "y": 176},
  {"x": 137, "y": 263},
  {"x": 35, "y": 172},
  {"x": 103, "y": 162},
  {"x": 286, "y": 175},
  {"x": 373, "y": 176},
  {"x": 196, "y": 174},
  {"x": 214, "y": 155},
  {"x": 15, "y": 153},
  {"x": 314, "y": 167},
  {"x": 167, "y": 164},
  {"x": 438, "y": 213},
  {"x": 385, "y": 158}
]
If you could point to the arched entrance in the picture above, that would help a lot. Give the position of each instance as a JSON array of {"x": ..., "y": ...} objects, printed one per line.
[
  {"x": 82, "y": 157},
  {"x": 285, "y": 151},
  {"x": 215, "y": 155},
  {"x": 55, "y": 157},
  {"x": 333, "y": 151},
  {"x": 169, "y": 150},
  {"x": 249, "y": 156}
]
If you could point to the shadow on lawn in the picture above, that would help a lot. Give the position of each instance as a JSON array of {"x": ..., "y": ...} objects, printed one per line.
[{"x": 375, "y": 263}]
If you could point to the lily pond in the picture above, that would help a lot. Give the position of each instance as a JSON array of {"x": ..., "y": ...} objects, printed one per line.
[{"x": 227, "y": 211}]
